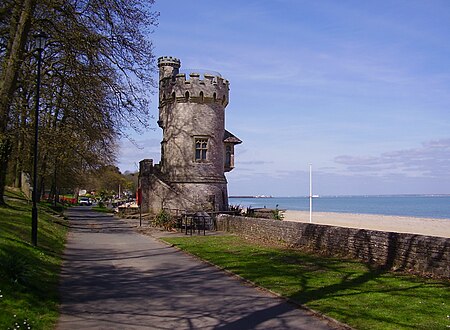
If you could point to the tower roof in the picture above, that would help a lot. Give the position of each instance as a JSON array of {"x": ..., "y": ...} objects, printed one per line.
[{"x": 228, "y": 137}]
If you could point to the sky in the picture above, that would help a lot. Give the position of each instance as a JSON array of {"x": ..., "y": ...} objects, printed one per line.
[{"x": 358, "y": 89}]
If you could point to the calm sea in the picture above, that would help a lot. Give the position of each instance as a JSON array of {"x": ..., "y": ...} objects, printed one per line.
[{"x": 409, "y": 205}]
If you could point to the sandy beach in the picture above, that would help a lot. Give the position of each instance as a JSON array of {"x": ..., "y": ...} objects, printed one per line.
[{"x": 421, "y": 226}]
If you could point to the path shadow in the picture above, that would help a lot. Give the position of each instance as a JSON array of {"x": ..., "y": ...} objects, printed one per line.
[{"x": 140, "y": 283}]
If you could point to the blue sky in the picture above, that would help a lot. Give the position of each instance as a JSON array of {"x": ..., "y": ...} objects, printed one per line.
[{"x": 360, "y": 89}]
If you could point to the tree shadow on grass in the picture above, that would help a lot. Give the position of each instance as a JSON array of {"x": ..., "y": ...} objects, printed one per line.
[{"x": 299, "y": 277}]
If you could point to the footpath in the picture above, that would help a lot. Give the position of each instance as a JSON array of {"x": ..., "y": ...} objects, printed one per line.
[{"x": 116, "y": 278}]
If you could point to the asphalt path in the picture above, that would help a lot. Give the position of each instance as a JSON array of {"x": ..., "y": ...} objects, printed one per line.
[{"x": 115, "y": 278}]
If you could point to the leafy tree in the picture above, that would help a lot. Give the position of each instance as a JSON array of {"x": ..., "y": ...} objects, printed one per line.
[
  {"x": 13, "y": 39},
  {"x": 132, "y": 180},
  {"x": 96, "y": 82}
]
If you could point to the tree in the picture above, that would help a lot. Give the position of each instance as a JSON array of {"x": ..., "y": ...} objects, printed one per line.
[
  {"x": 13, "y": 45},
  {"x": 108, "y": 179},
  {"x": 96, "y": 82}
]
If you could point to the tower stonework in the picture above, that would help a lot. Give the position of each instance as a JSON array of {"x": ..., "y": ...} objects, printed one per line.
[{"x": 196, "y": 150}]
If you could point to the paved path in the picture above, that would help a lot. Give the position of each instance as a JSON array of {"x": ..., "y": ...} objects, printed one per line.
[{"x": 116, "y": 278}]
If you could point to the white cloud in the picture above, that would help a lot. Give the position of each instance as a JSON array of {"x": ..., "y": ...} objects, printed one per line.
[{"x": 431, "y": 160}]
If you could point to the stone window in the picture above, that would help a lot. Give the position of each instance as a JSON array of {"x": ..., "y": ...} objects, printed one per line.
[
  {"x": 228, "y": 156},
  {"x": 201, "y": 149}
]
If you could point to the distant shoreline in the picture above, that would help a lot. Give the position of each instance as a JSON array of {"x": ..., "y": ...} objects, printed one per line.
[
  {"x": 258, "y": 196},
  {"x": 423, "y": 206}
]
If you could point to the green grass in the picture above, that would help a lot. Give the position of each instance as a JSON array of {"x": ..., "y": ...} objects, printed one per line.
[
  {"x": 346, "y": 290},
  {"x": 29, "y": 276}
]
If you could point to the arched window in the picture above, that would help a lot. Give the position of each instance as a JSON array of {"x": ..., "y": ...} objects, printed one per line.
[
  {"x": 214, "y": 97},
  {"x": 186, "y": 96},
  {"x": 202, "y": 98},
  {"x": 223, "y": 100}
]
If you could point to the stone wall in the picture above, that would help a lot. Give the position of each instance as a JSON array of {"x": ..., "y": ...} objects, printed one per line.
[{"x": 424, "y": 255}]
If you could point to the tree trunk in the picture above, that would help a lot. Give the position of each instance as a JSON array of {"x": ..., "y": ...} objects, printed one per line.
[
  {"x": 5, "y": 151},
  {"x": 10, "y": 69},
  {"x": 18, "y": 164},
  {"x": 13, "y": 59}
]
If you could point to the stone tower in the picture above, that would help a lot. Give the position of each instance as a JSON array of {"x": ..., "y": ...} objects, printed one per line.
[{"x": 196, "y": 150}]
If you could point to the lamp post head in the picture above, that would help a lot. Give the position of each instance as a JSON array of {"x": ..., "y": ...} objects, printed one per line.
[{"x": 40, "y": 40}]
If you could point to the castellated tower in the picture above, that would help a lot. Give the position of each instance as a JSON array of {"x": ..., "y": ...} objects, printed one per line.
[{"x": 196, "y": 150}]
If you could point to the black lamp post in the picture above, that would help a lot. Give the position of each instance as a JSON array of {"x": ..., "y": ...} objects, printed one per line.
[{"x": 40, "y": 40}]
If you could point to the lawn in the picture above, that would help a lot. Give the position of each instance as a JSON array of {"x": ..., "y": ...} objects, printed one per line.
[
  {"x": 346, "y": 290},
  {"x": 29, "y": 275}
]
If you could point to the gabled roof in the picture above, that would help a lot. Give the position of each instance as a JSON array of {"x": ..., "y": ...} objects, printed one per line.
[{"x": 230, "y": 138}]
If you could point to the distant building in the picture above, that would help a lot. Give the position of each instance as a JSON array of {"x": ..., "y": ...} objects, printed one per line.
[{"x": 196, "y": 150}]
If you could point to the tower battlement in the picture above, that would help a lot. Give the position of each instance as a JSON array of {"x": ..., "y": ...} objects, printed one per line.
[
  {"x": 168, "y": 66},
  {"x": 169, "y": 60},
  {"x": 182, "y": 88}
]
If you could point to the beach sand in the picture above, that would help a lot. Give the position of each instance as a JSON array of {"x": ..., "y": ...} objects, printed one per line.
[{"x": 411, "y": 225}]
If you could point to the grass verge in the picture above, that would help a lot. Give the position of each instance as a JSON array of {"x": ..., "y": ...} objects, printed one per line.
[
  {"x": 29, "y": 276},
  {"x": 345, "y": 290}
]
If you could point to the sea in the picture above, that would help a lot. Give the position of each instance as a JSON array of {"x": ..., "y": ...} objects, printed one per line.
[{"x": 422, "y": 206}]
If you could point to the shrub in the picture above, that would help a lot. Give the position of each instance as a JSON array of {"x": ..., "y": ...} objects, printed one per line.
[
  {"x": 237, "y": 209},
  {"x": 165, "y": 220},
  {"x": 14, "y": 268},
  {"x": 277, "y": 214},
  {"x": 250, "y": 212}
]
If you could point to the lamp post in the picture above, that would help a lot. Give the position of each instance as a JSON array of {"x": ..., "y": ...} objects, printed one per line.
[{"x": 40, "y": 39}]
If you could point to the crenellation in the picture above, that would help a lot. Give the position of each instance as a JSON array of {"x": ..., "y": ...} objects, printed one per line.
[
  {"x": 199, "y": 97},
  {"x": 196, "y": 76},
  {"x": 180, "y": 78},
  {"x": 168, "y": 66},
  {"x": 169, "y": 61},
  {"x": 214, "y": 89}
]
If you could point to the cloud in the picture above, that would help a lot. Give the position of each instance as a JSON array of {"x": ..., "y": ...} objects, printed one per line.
[
  {"x": 431, "y": 160},
  {"x": 255, "y": 162},
  {"x": 132, "y": 152},
  {"x": 360, "y": 161}
]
